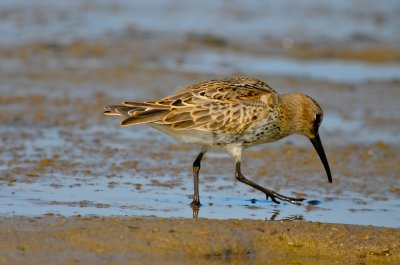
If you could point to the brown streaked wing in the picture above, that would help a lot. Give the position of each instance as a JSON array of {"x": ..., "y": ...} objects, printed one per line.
[
  {"x": 228, "y": 105},
  {"x": 147, "y": 116},
  {"x": 145, "y": 105},
  {"x": 239, "y": 89}
]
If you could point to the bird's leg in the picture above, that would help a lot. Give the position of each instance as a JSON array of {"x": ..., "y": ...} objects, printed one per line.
[
  {"x": 196, "y": 170},
  {"x": 269, "y": 193}
]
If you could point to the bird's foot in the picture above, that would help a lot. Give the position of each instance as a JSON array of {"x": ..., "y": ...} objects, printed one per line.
[
  {"x": 195, "y": 203},
  {"x": 276, "y": 196}
]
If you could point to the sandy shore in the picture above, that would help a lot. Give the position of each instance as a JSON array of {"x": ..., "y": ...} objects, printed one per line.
[{"x": 113, "y": 240}]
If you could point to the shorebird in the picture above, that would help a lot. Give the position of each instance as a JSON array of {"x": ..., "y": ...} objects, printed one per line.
[{"x": 230, "y": 114}]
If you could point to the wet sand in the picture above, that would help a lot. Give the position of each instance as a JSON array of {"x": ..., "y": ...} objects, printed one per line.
[
  {"x": 115, "y": 240},
  {"x": 76, "y": 188}
]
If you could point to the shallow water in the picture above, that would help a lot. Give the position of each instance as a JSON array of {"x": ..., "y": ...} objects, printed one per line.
[
  {"x": 71, "y": 191},
  {"x": 234, "y": 202},
  {"x": 326, "y": 70},
  {"x": 347, "y": 131}
]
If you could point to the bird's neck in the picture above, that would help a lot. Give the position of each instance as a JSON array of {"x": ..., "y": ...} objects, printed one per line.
[{"x": 292, "y": 112}]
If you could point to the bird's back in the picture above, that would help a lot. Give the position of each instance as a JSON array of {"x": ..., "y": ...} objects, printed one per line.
[{"x": 228, "y": 106}]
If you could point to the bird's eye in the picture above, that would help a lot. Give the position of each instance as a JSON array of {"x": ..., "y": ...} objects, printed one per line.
[
  {"x": 317, "y": 122},
  {"x": 318, "y": 118}
]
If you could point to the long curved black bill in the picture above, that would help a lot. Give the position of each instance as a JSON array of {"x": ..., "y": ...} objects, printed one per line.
[{"x": 316, "y": 141}]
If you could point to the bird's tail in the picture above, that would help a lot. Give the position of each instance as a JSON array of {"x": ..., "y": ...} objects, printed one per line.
[
  {"x": 117, "y": 110},
  {"x": 136, "y": 113}
]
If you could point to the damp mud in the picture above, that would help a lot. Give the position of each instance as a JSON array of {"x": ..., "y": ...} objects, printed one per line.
[
  {"x": 77, "y": 188},
  {"x": 185, "y": 241}
]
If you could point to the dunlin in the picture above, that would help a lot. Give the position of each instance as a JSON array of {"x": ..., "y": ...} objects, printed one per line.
[{"x": 229, "y": 114}]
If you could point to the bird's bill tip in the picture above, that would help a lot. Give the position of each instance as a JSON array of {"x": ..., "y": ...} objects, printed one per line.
[{"x": 316, "y": 141}]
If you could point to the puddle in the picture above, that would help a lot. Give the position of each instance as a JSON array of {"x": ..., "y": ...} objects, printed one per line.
[
  {"x": 325, "y": 70},
  {"x": 95, "y": 198}
]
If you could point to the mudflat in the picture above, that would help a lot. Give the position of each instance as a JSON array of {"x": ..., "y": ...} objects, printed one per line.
[{"x": 123, "y": 240}]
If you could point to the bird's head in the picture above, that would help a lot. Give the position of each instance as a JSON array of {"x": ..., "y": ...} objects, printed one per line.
[{"x": 304, "y": 116}]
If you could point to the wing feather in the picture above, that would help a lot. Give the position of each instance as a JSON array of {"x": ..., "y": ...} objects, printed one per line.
[
  {"x": 173, "y": 117},
  {"x": 145, "y": 117},
  {"x": 183, "y": 125},
  {"x": 145, "y": 105},
  {"x": 228, "y": 105}
]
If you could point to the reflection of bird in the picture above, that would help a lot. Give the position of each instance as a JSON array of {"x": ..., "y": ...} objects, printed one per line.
[{"x": 229, "y": 114}]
